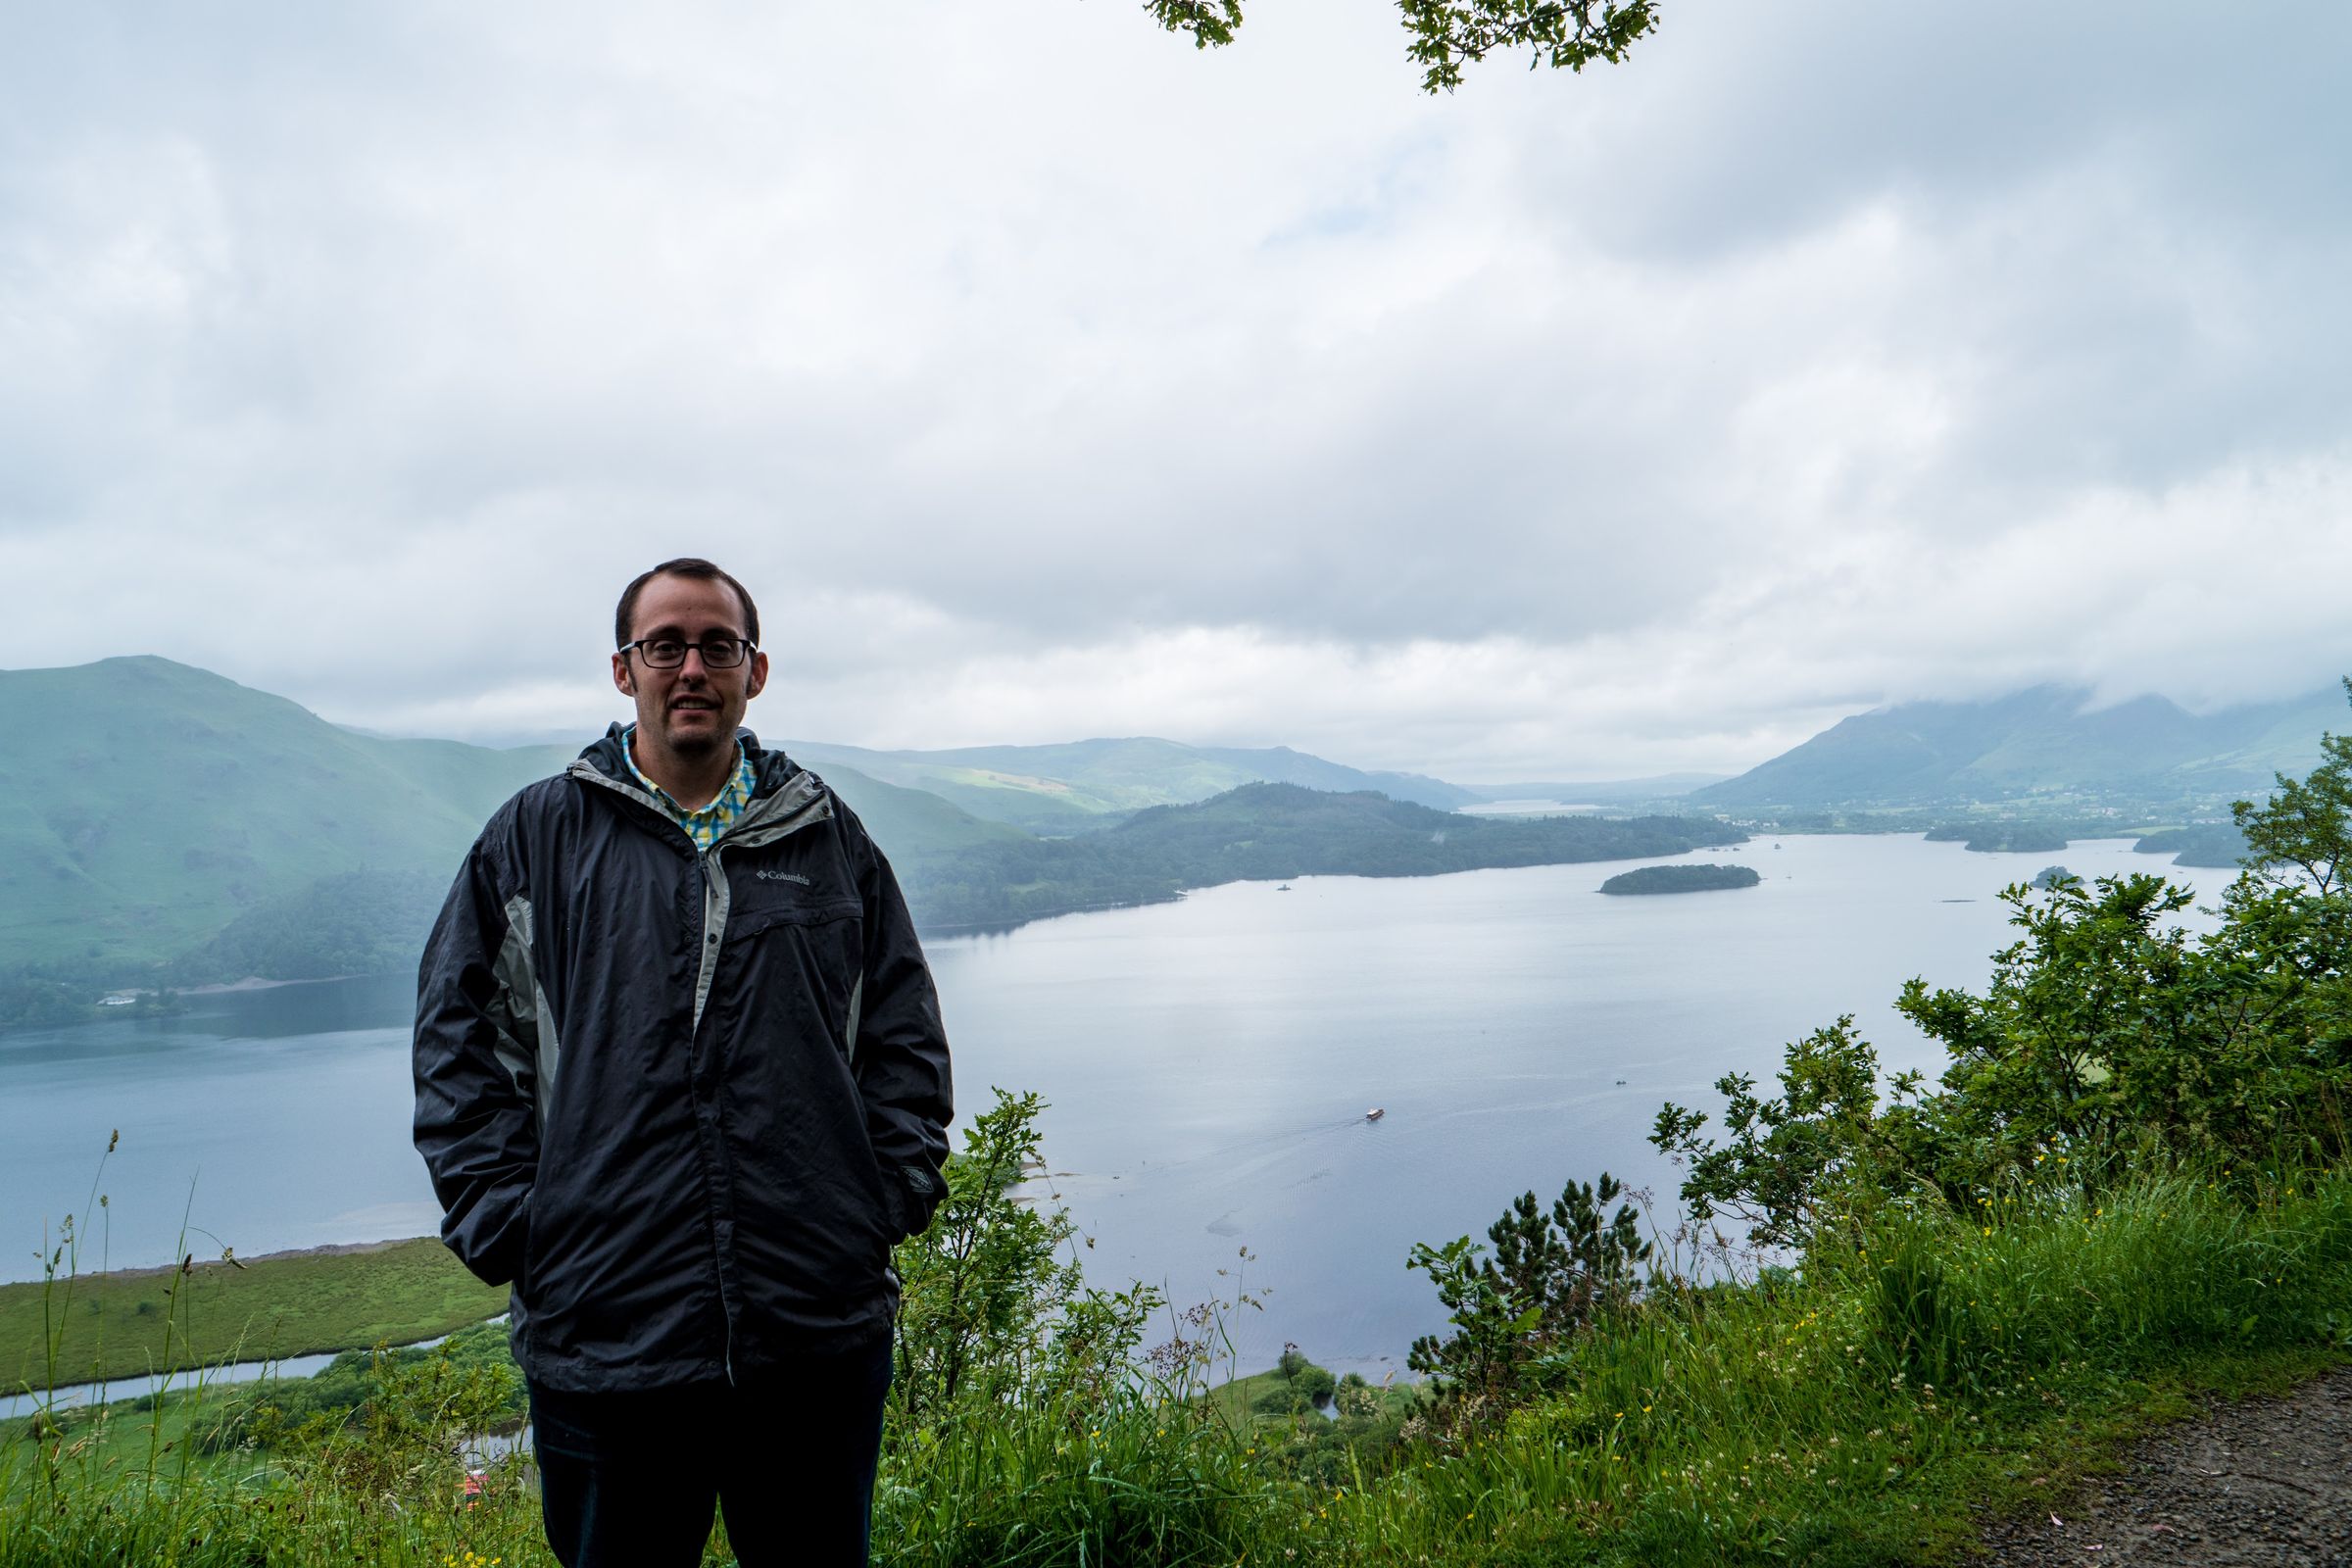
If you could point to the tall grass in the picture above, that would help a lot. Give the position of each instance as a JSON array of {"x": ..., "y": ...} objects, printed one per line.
[
  {"x": 1854, "y": 1415},
  {"x": 1165, "y": 1483},
  {"x": 113, "y": 1325},
  {"x": 1851, "y": 1414}
]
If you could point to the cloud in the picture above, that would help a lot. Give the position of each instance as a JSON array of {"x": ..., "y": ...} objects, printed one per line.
[{"x": 1047, "y": 377}]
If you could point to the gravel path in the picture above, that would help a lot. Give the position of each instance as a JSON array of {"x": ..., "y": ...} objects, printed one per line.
[{"x": 2261, "y": 1483}]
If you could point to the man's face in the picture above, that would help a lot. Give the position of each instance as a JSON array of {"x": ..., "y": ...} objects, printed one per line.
[{"x": 692, "y": 710}]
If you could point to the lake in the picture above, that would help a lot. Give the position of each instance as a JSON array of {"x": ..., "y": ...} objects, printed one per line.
[{"x": 1208, "y": 1064}]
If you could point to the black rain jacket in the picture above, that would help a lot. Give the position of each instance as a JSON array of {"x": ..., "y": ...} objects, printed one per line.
[{"x": 684, "y": 1100}]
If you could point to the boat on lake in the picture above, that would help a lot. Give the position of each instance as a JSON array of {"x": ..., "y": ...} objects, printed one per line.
[{"x": 1375, "y": 1114}]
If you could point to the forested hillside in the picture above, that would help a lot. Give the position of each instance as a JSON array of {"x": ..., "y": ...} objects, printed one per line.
[{"x": 1267, "y": 831}]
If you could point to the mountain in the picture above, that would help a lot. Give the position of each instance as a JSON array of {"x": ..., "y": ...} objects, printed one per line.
[
  {"x": 145, "y": 804},
  {"x": 1065, "y": 788},
  {"x": 2048, "y": 744},
  {"x": 150, "y": 810}
]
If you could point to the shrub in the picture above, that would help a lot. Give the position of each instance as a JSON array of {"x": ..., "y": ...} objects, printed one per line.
[{"x": 1515, "y": 1313}]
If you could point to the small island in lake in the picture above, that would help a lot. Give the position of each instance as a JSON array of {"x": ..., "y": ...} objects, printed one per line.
[
  {"x": 1682, "y": 879},
  {"x": 2002, "y": 838}
]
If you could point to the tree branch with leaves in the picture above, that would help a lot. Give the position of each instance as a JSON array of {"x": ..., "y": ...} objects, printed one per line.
[{"x": 1448, "y": 35}]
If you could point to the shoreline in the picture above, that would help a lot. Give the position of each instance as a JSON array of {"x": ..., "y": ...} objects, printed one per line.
[
  {"x": 230, "y": 988},
  {"x": 96, "y": 1326},
  {"x": 284, "y": 1254},
  {"x": 253, "y": 982}
]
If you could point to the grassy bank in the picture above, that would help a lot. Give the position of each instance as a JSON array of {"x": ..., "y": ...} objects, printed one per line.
[
  {"x": 1921, "y": 1369},
  {"x": 126, "y": 1324},
  {"x": 1924, "y": 1369}
]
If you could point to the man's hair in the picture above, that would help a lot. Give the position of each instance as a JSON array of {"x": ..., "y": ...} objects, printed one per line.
[{"x": 684, "y": 566}]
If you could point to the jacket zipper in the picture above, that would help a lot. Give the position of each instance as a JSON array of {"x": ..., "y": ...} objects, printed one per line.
[
  {"x": 714, "y": 922},
  {"x": 707, "y": 864}
]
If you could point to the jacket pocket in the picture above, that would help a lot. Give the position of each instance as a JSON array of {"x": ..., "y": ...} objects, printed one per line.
[
  {"x": 795, "y": 967},
  {"x": 745, "y": 925}
]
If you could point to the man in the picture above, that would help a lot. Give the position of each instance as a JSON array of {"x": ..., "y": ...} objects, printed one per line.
[{"x": 681, "y": 1079}]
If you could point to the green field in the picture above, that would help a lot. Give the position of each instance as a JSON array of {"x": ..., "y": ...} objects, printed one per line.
[{"x": 126, "y": 1324}]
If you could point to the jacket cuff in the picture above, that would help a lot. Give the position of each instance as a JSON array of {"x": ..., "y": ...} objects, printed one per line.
[
  {"x": 911, "y": 1193},
  {"x": 498, "y": 1258}
]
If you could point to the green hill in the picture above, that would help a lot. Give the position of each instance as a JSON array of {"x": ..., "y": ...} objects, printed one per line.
[
  {"x": 148, "y": 805},
  {"x": 159, "y": 822},
  {"x": 2044, "y": 743}
]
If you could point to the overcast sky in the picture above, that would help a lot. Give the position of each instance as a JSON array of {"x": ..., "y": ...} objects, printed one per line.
[{"x": 1045, "y": 377}]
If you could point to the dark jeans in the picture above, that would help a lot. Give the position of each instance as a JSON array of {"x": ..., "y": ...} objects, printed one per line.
[{"x": 629, "y": 1480}]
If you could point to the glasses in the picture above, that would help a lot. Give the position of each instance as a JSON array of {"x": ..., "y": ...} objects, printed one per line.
[{"x": 669, "y": 652}]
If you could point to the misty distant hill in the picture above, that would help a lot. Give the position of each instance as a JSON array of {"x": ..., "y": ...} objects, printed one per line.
[
  {"x": 2046, "y": 742},
  {"x": 1063, "y": 788},
  {"x": 1603, "y": 792}
]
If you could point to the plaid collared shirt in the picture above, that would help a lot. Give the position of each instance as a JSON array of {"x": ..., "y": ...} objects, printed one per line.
[{"x": 706, "y": 825}]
